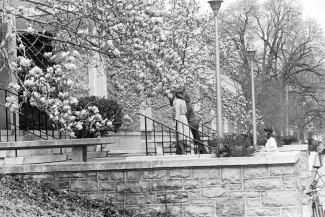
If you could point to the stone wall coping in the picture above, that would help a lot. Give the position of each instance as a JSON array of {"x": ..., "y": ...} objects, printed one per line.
[
  {"x": 274, "y": 158},
  {"x": 295, "y": 147},
  {"x": 54, "y": 143}
]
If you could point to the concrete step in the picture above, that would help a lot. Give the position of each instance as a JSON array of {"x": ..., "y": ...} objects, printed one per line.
[
  {"x": 12, "y": 138},
  {"x": 33, "y": 159},
  {"x": 46, "y": 158}
]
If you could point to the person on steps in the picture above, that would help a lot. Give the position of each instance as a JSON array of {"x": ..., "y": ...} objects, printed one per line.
[
  {"x": 182, "y": 128},
  {"x": 194, "y": 123}
]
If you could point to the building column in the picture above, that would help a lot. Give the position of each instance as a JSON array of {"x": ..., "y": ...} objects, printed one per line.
[
  {"x": 97, "y": 78},
  {"x": 6, "y": 75}
]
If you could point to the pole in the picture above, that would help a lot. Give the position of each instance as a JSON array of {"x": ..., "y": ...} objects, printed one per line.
[
  {"x": 287, "y": 110},
  {"x": 218, "y": 78},
  {"x": 253, "y": 105}
]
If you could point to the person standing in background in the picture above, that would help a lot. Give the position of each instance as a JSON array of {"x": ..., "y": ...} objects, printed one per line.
[
  {"x": 270, "y": 145},
  {"x": 194, "y": 123},
  {"x": 179, "y": 109}
]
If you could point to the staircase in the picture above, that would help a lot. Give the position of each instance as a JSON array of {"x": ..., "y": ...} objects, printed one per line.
[{"x": 160, "y": 139}]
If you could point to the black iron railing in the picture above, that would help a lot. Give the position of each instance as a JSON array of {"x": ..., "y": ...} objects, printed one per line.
[
  {"x": 30, "y": 121},
  {"x": 168, "y": 138}
]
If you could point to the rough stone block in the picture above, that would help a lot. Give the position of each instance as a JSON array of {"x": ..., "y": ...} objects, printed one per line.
[
  {"x": 133, "y": 187},
  {"x": 230, "y": 208},
  {"x": 133, "y": 175},
  {"x": 120, "y": 198},
  {"x": 191, "y": 184},
  {"x": 290, "y": 212},
  {"x": 235, "y": 187},
  {"x": 116, "y": 176},
  {"x": 43, "y": 176},
  {"x": 174, "y": 209},
  {"x": 262, "y": 184},
  {"x": 279, "y": 198},
  {"x": 214, "y": 191},
  {"x": 203, "y": 201},
  {"x": 263, "y": 212},
  {"x": 102, "y": 176},
  {"x": 62, "y": 184},
  {"x": 173, "y": 197},
  {"x": 198, "y": 211},
  {"x": 106, "y": 186},
  {"x": 231, "y": 175},
  {"x": 97, "y": 196},
  {"x": 303, "y": 157},
  {"x": 209, "y": 182},
  {"x": 206, "y": 173},
  {"x": 244, "y": 194},
  {"x": 254, "y": 172},
  {"x": 194, "y": 193},
  {"x": 69, "y": 175},
  {"x": 253, "y": 203},
  {"x": 84, "y": 185},
  {"x": 169, "y": 184},
  {"x": 282, "y": 170},
  {"x": 154, "y": 174},
  {"x": 140, "y": 199},
  {"x": 304, "y": 174},
  {"x": 305, "y": 182},
  {"x": 93, "y": 174},
  {"x": 289, "y": 182},
  {"x": 179, "y": 173}
]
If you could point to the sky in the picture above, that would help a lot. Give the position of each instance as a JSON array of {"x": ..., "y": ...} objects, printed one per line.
[{"x": 312, "y": 8}]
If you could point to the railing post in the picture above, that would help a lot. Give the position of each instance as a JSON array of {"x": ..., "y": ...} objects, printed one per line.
[
  {"x": 39, "y": 123},
  {"x": 177, "y": 137},
  {"x": 47, "y": 136},
  {"x": 33, "y": 120},
  {"x": 146, "y": 134},
  {"x": 15, "y": 127},
  {"x": 6, "y": 95},
  {"x": 154, "y": 137}
]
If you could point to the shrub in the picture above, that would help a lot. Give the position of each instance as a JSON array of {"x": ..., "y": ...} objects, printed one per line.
[
  {"x": 287, "y": 140},
  {"x": 312, "y": 144},
  {"x": 30, "y": 198},
  {"x": 108, "y": 108},
  {"x": 232, "y": 146}
]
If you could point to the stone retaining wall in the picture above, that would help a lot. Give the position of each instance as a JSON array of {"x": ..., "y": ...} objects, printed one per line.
[{"x": 226, "y": 187}]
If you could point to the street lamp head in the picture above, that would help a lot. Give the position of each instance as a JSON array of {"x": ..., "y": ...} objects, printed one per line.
[
  {"x": 215, "y": 4},
  {"x": 251, "y": 53}
]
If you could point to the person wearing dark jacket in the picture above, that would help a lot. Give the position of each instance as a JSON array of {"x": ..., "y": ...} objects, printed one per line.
[{"x": 194, "y": 123}]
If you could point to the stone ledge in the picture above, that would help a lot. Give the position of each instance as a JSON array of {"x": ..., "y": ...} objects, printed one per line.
[
  {"x": 274, "y": 158},
  {"x": 301, "y": 147}
]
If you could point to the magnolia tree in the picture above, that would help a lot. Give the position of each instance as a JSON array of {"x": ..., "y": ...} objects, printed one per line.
[
  {"x": 144, "y": 48},
  {"x": 50, "y": 91}
]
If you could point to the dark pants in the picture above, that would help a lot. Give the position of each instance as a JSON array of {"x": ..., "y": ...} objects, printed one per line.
[{"x": 200, "y": 148}]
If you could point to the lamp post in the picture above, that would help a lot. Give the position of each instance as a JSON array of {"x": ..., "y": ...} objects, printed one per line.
[
  {"x": 251, "y": 54},
  {"x": 215, "y": 6}
]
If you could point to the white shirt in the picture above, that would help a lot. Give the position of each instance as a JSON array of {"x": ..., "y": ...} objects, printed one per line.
[{"x": 271, "y": 145}]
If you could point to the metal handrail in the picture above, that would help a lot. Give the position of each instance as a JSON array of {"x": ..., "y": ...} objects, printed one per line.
[
  {"x": 42, "y": 134},
  {"x": 202, "y": 133},
  {"x": 162, "y": 135},
  {"x": 200, "y": 124}
]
